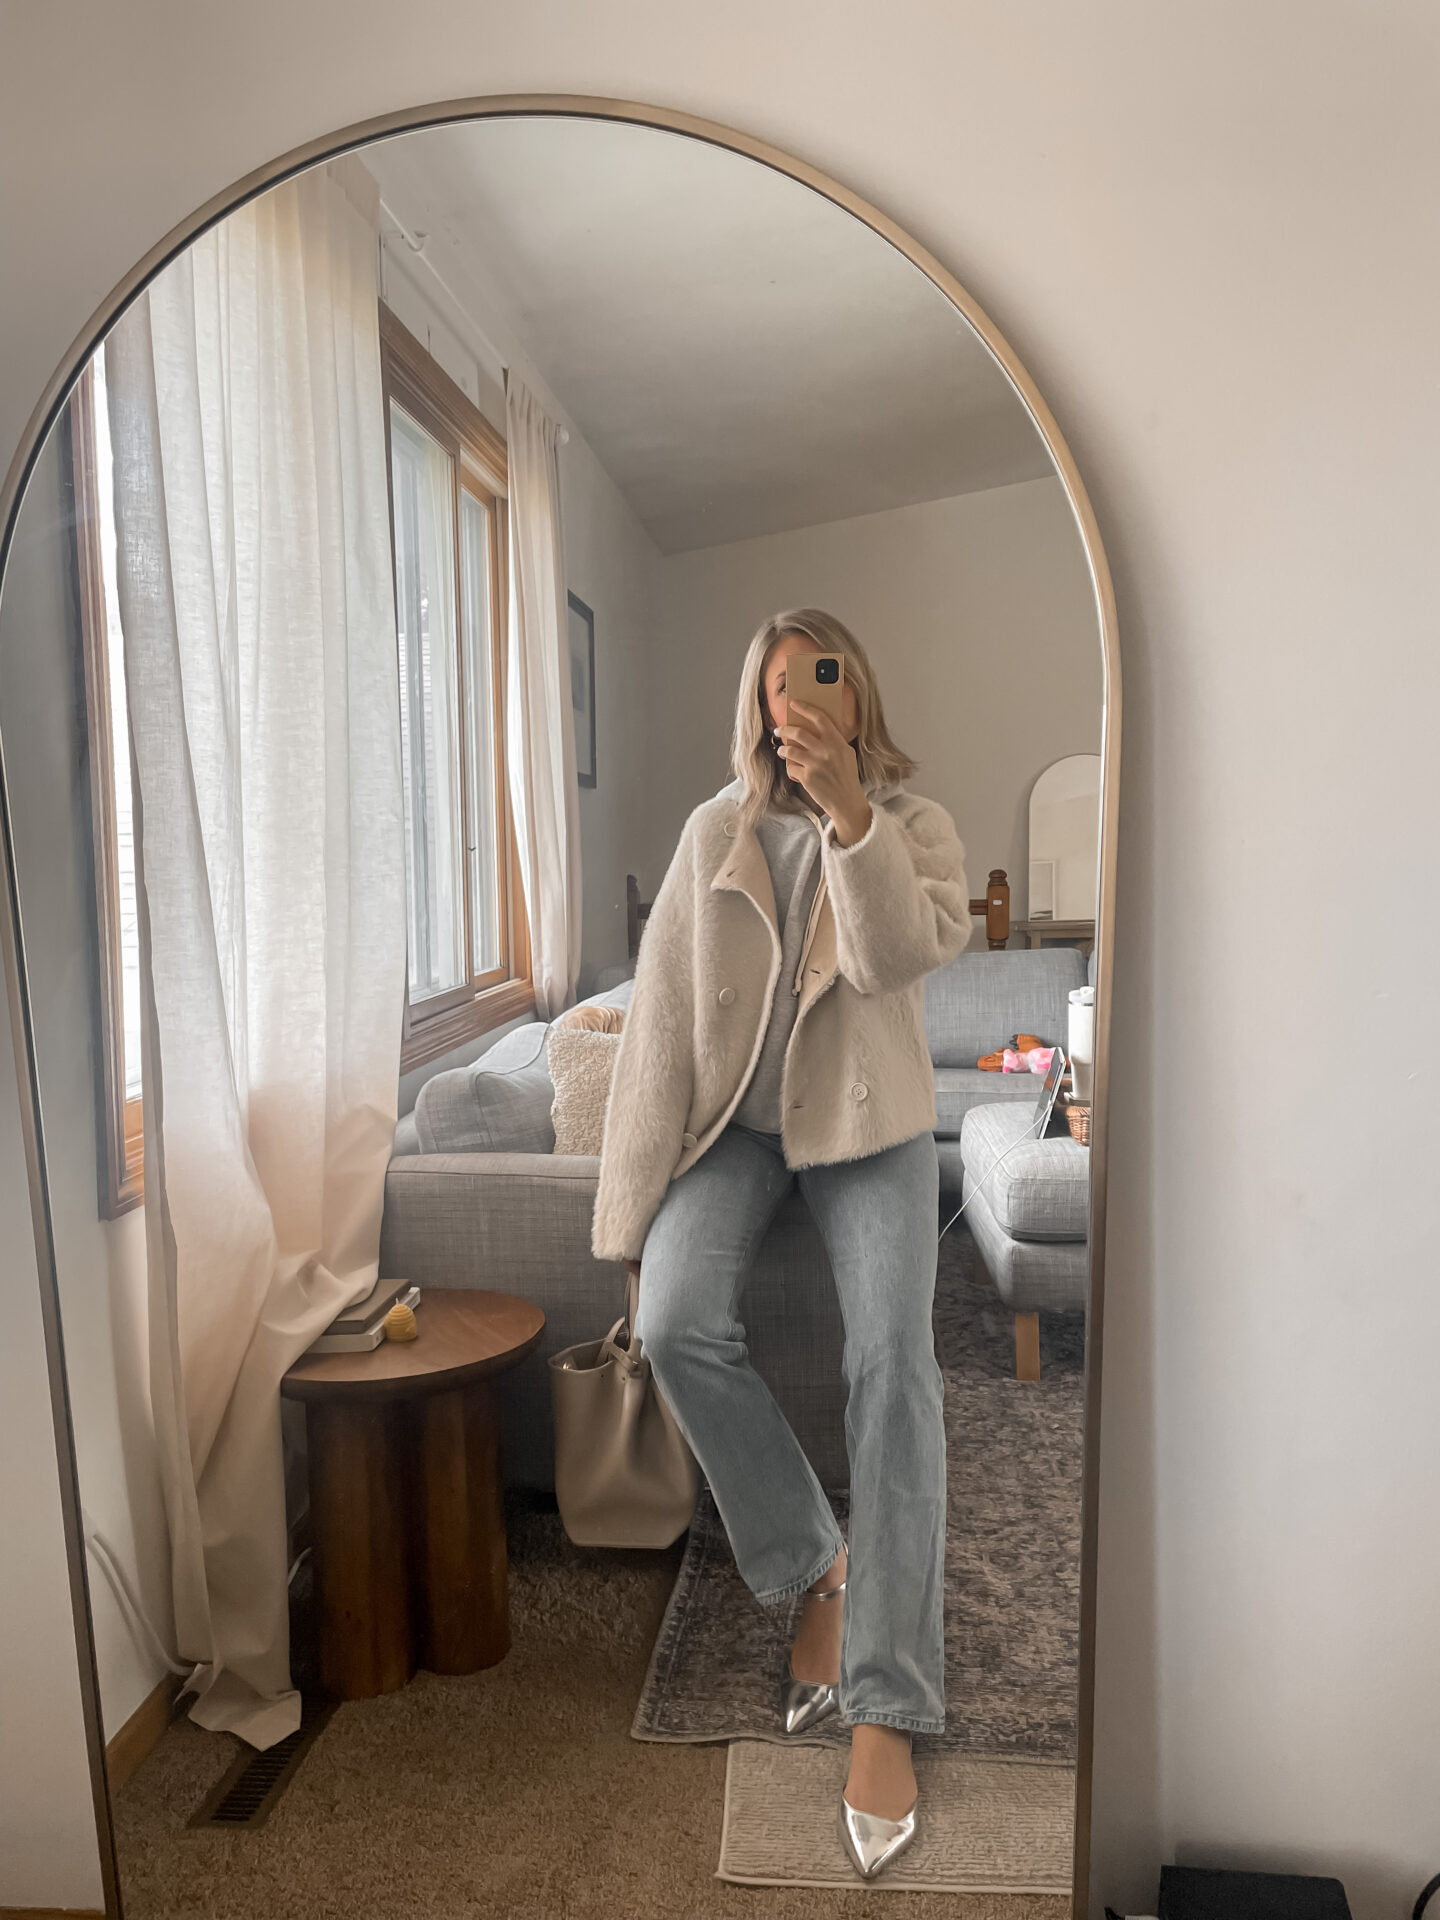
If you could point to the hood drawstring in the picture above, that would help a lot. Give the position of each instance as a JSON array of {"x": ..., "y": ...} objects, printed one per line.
[{"x": 815, "y": 905}]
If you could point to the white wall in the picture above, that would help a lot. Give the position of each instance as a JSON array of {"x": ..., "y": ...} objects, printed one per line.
[
  {"x": 48, "y": 1853},
  {"x": 611, "y": 564},
  {"x": 1209, "y": 233},
  {"x": 101, "y": 1262},
  {"x": 979, "y": 619}
]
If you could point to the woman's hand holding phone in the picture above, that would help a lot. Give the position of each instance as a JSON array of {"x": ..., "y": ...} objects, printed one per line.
[{"x": 819, "y": 756}]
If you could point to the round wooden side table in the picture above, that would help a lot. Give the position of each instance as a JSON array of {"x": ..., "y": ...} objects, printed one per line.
[{"x": 405, "y": 1508}]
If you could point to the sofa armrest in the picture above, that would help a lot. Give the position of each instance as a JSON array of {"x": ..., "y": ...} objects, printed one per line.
[{"x": 514, "y": 1222}]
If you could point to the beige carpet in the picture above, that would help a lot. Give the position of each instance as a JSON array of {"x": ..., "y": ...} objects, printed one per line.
[
  {"x": 1009, "y": 1825},
  {"x": 516, "y": 1794}
]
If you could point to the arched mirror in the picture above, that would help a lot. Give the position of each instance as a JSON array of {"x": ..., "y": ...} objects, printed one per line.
[
  {"x": 403, "y": 639},
  {"x": 1065, "y": 840}
]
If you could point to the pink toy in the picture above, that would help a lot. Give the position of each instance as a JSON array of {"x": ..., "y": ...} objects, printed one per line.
[{"x": 1037, "y": 1060}]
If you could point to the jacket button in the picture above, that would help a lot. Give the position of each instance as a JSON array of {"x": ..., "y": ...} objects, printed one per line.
[
  {"x": 688, "y": 1140},
  {"x": 726, "y": 996},
  {"x": 859, "y": 1090}
]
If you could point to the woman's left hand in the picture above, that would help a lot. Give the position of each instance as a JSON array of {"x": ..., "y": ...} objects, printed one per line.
[{"x": 819, "y": 756}]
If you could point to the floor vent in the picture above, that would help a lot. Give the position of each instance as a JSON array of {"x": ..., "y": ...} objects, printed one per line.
[{"x": 247, "y": 1795}]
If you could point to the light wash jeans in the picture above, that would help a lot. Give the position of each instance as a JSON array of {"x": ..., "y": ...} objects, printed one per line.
[{"x": 879, "y": 1218}]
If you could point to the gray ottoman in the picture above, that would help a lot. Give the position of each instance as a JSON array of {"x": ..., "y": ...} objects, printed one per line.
[{"x": 1029, "y": 1212}]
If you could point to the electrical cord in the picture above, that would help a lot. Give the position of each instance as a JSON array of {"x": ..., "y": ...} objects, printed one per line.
[
  {"x": 134, "y": 1614},
  {"x": 130, "y": 1607},
  {"x": 1032, "y": 1133},
  {"x": 1024, "y": 1141}
]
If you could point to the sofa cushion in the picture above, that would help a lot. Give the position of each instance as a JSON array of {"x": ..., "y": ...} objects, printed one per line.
[
  {"x": 1036, "y": 1189},
  {"x": 582, "y": 1063},
  {"x": 499, "y": 1103},
  {"x": 958, "y": 1089},
  {"x": 1031, "y": 1276},
  {"x": 979, "y": 1000}
]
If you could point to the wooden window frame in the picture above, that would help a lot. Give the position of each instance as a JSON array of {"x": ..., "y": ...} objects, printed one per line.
[
  {"x": 421, "y": 388},
  {"x": 121, "y": 1121},
  {"x": 424, "y": 390}
]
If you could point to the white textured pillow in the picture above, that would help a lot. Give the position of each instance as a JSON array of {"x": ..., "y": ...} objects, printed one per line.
[{"x": 581, "y": 1064}]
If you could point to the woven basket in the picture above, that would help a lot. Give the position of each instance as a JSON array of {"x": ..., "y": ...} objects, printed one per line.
[{"x": 1078, "y": 1119}]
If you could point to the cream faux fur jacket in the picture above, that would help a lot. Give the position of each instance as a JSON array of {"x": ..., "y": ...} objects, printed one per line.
[{"x": 857, "y": 1077}]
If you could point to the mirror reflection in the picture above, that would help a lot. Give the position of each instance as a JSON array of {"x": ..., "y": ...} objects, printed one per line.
[
  {"x": 1065, "y": 840},
  {"x": 571, "y": 1186}
]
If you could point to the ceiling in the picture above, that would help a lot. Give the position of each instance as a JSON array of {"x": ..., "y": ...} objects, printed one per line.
[{"x": 742, "y": 356}]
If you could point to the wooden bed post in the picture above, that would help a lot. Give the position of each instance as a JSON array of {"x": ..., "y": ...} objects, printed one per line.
[{"x": 995, "y": 905}]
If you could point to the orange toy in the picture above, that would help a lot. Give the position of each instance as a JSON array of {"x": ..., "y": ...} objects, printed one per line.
[{"x": 1018, "y": 1043}]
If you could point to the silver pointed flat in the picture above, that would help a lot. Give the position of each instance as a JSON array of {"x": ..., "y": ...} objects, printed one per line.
[
  {"x": 805, "y": 1703},
  {"x": 873, "y": 1843}
]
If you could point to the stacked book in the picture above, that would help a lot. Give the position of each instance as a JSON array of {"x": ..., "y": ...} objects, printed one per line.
[{"x": 362, "y": 1327}]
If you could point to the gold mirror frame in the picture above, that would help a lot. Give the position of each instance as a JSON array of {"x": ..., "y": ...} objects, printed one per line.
[{"x": 12, "y": 948}]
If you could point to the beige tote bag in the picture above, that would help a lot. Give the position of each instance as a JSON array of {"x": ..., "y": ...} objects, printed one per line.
[{"x": 624, "y": 1475}]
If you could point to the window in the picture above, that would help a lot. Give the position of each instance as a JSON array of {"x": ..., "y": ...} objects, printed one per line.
[
  {"x": 107, "y": 733},
  {"x": 469, "y": 963},
  {"x": 469, "y": 951}
]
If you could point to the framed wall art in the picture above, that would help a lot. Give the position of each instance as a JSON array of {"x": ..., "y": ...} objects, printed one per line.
[{"x": 582, "y": 687}]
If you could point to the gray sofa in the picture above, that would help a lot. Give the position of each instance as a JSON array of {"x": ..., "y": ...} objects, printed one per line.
[{"x": 476, "y": 1196}]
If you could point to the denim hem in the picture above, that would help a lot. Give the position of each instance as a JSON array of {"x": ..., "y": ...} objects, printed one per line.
[
  {"x": 776, "y": 1596},
  {"x": 904, "y": 1723}
]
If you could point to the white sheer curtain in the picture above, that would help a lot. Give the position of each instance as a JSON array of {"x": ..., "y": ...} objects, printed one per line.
[
  {"x": 540, "y": 725},
  {"x": 257, "y": 605}
]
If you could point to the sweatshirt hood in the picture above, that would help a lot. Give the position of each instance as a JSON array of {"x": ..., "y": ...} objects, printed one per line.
[{"x": 891, "y": 790}]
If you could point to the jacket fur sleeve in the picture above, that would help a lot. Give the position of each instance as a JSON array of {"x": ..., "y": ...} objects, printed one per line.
[
  {"x": 900, "y": 897},
  {"x": 650, "y": 1091}
]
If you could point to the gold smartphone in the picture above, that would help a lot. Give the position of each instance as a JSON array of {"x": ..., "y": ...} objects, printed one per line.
[{"x": 819, "y": 680}]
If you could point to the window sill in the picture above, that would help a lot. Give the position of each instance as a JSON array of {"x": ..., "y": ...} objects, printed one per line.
[{"x": 443, "y": 1032}]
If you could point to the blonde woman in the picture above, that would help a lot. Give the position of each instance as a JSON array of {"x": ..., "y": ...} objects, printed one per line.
[{"x": 776, "y": 1034}]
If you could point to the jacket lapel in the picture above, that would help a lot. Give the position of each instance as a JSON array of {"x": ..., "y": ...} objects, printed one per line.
[
  {"x": 744, "y": 870},
  {"x": 820, "y": 961}
]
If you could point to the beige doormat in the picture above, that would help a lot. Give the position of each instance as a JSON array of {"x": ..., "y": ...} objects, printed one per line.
[{"x": 986, "y": 1826}]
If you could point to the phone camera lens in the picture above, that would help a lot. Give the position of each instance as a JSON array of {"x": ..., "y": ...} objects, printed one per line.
[{"x": 827, "y": 672}]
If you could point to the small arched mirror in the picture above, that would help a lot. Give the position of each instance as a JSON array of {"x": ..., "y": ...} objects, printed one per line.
[{"x": 1065, "y": 841}]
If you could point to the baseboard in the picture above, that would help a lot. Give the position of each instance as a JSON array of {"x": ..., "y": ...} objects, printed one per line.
[
  {"x": 51, "y": 1913},
  {"x": 139, "y": 1734}
]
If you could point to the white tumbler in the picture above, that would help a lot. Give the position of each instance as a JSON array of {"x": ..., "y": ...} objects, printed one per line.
[{"x": 1082, "y": 1042}]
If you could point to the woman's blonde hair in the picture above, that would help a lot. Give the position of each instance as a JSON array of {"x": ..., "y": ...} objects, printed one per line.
[{"x": 752, "y": 752}]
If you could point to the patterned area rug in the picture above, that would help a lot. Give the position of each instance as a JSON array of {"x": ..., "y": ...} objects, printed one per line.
[{"x": 1011, "y": 1563}]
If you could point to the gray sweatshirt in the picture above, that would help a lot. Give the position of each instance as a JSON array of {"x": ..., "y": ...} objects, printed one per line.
[{"x": 791, "y": 845}]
